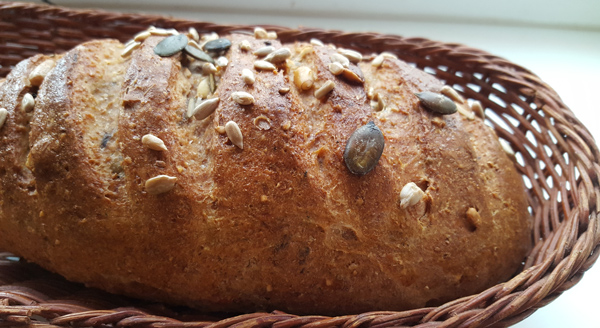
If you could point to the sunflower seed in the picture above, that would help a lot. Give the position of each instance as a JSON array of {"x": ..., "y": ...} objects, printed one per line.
[
  {"x": 352, "y": 76},
  {"x": 160, "y": 184},
  {"x": 171, "y": 45},
  {"x": 234, "y": 134},
  {"x": 203, "y": 90},
  {"x": 3, "y": 115},
  {"x": 140, "y": 37},
  {"x": 353, "y": 56},
  {"x": 452, "y": 94},
  {"x": 336, "y": 68},
  {"x": 208, "y": 68},
  {"x": 161, "y": 31},
  {"x": 378, "y": 61},
  {"x": 477, "y": 109},
  {"x": 245, "y": 45},
  {"x": 363, "y": 149},
  {"x": 194, "y": 34},
  {"x": 272, "y": 35},
  {"x": 262, "y": 122},
  {"x": 473, "y": 217},
  {"x": 466, "y": 112},
  {"x": 198, "y": 54},
  {"x": 410, "y": 195},
  {"x": 279, "y": 55},
  {"x": 261, "y": 52},
  {"x": 242, "y": 98},
  {"x": 130, "y": 48},
  {"x": 260, "y": 33},
  {"x": 209, "y": 37},
  {"x": 248, "y": 76},
  {"x": 316, "y": 42},
  {"x": 27, "y": 103},
  {"x": 153, "y": 142},
  {"x": 337, "y": 58},
  {"x": 217, "y": 45},
  {"x": 191, "y": 106},
  {"x": 264, "y": 65},
  {"x": 389, "y": 55},
  {"x": 437, "y": 103},
  {"x": 222, "y": 61},
  {"x": 204, "y": 108},
  {"x": 304, "y": 78},
  {"x": 324, "y": 89},
  {"x": 507, "y": 148},
  {"x": 37, "y": 76}
]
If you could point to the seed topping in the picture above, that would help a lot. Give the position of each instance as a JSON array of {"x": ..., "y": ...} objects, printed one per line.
[
  {"x": 336, "y": 68},
  {"x": 477, "y": 109},
  {"x": 378, "y": 61},
  {"x": 203, "y": 109},
  {"x": 160, "y": 184},
  {"x": 234, "y": 134},
  {"x": 452, "y": 94},
  {"x": 337, "y": 58},
  {"x": 351, "y": 75},
  {"x": 194, "y": 34},
  {"x": 260, "y": 33},
  {"x": 208, "y": 69},
  {"x": 353, "y": 56},
  {"x": 279, "y": 55},
  {"x": 304, "y": 78},
  {"x": 264, "y": 65},
  {"x": 153, "y": 142},
  {"x": 37, "y": 76},
  {"x": 27, "y": 103},
  {"x": 324, "y": 89},
  {"x": 222, "y": 61},
  {"x": 203, "y": 90},
  {"x": 3, "y": 115},
  {"x": 261, "y": 52},
  {"x": 130, "y": 48},
  {"x": 217, "y": 45},
  {"x": 410, "y": 195},
  {"x": 242, "y": 98},
  {"x": 316, "y": 42},
  {"x": 171, "y": 45},
  {"x": 437, "y": 103},
  {"x": 140, "y": 37},
  {"x": 248, "y": 76},
  {"x": 245, "y": 45},
  {"x": 363, "y": 149},
  {"x": 262, "y": 122}
]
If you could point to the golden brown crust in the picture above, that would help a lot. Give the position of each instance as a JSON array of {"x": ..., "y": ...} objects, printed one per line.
[{"x": 280, "y": 224}]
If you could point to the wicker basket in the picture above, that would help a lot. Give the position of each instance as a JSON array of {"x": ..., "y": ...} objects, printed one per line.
[{"x": 555, "y": 154}]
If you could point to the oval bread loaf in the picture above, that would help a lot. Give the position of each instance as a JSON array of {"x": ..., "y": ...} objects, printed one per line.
[{"x": 123, "y": 171}]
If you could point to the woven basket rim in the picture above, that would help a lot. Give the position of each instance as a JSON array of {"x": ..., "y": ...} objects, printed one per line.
[{"x": 567, "y": 233}]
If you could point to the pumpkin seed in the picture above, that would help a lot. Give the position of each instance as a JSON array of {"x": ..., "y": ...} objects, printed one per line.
[
  {"x": 198, "y": 54},
  {"x": 437, "y": 103},
  {"x": 217, "y": 45},
  {"x": 363, "y": 149},
  {"x": 171, "y": 45}
]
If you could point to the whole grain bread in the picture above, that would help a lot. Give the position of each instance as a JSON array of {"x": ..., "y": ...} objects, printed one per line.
[{"x": 278, "y": 222}]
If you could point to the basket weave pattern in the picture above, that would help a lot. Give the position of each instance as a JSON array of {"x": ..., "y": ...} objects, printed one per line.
[{"x": 555, "y": 154}]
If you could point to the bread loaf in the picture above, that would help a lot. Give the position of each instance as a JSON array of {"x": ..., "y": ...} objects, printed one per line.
[{"x": 230, "y": 186}]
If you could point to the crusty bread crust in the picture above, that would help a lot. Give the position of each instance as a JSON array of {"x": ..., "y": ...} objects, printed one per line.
[{"x": 280, "y": 224}]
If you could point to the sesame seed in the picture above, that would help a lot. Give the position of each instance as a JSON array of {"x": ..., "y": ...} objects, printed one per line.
[
  {"x": 304, "y": 78},
  {"x": 264, "y": 65},
  {"x": 353, "y": 56},
  {"x": 160, "y": 184},
  {"x": 452, "y": 94},
  {"x": 153, "y": 142},
  {"x": 324, "y": 89},
  {"x": 316, "y": 42},
  {"x": 37, "y": 76},
  {"x": 338, "y": 58},
  {"x": 242, "y": 98},
  {"x": 378, "y": 61},
  {"x": 261, "y": 52},
  {"x": 248, "y": 76},
  {"x": 3, "y": 116},
  {"x": 194, "y": 34},
  {"x": 279, "y": 55},
  {"x": 27, "y": 103},
  {"x": 141, "y": 36},
  {"x": 130, "y": 48},
  {"x": 204, "y": 108},
  {"x": 245, "y": 45},
  {"x": 208, "y": 68},
  {"x": 336, "y": 68},
  {"x": 234, "y": 134},
  {"x": 260, "y": 33},
  {"x": 222, "y": 61}
]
